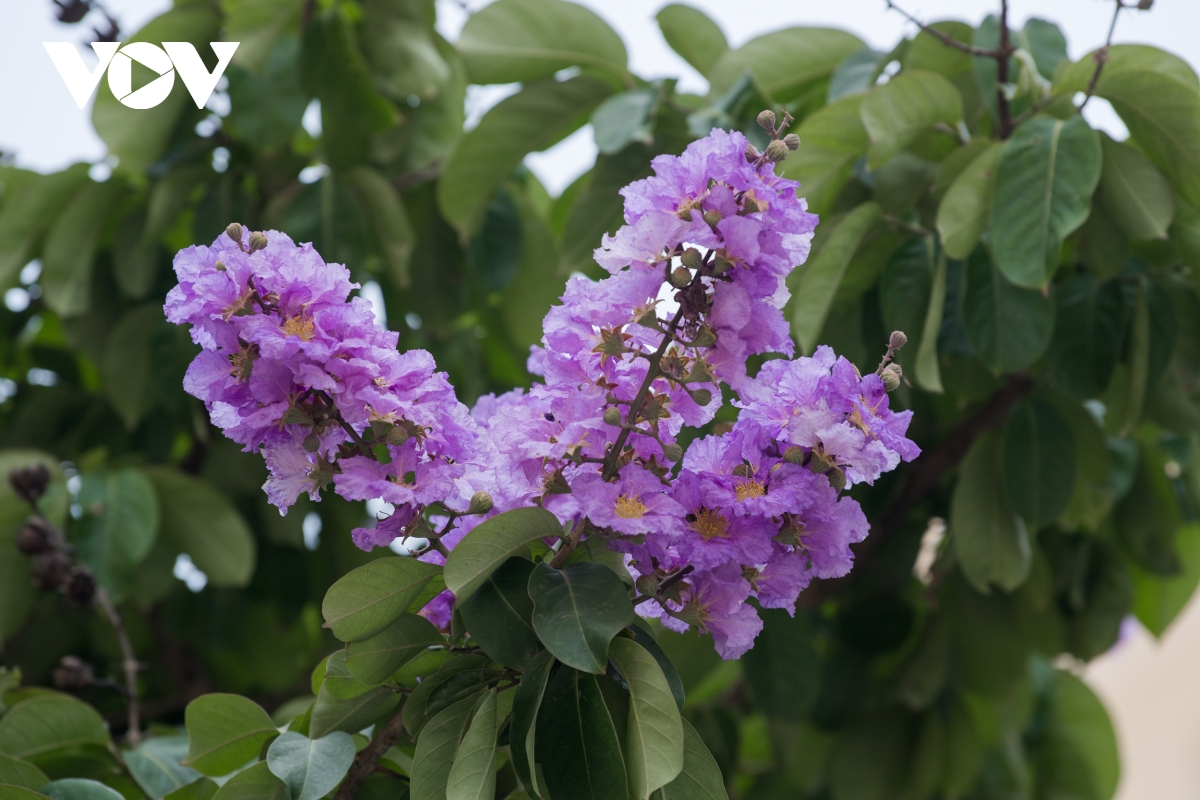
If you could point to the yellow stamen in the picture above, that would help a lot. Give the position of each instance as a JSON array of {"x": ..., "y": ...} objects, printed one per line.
[
  {"x": 630, "y": 507},
  {"x": 298, "y": 325},
  {"x": 750, "y": 488},
  {"x": 710, "y": 523}
]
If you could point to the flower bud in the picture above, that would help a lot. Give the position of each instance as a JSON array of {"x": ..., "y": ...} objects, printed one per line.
[
  {"x": 258, "y": 241},
  {"x": 312, "y": 443},
  {"x": 481, "y": 503},
  {"x": 672, "y": 452},
  {"x": 705, "y": 338},
  {"x": 752, "y": 153},
  {"x": 712, "y": 218},
  {"x": 897, "y": 340},
  {"x": 837, "y": 478},
  {"x": 792, "y": 141},
  {"x": 891, "y": 376},
  {"x": 647, "y": 585},
  {"x": 721, "y": 265},
  {"x": 220, "y": 266},
  {"x": 681, "y": 277},
  {"x": 794, "y": 455},
  {"x": 81, "y": 586},
  {"x": 35, "y": 537},
  {"x": 234, "y": 231},
  {"x": 612, "y": 415},
  {"x": 30, "y": 482},
  {"x": 692, "y": 259},
  {"x": 766, "y": 120},
  {"x": 776, "y": 151},
  {"x": 702, "y": 397},
  {"x": 73, "y": 674}
]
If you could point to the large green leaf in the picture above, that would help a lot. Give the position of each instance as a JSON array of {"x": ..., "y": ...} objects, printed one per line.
[
  {"x": 833, "y": 138},
  {"x": 71, "y": 247},
  {"x": 331, "y": 714},
  {"x": 15, "y": 772},
  {"x": 577, "y": 611},
  {"x": 1039, "y": 461},
  {"x": 577, "y": 745},
  {"x": 929, "y": 53},
  {"x": 700, "y": 778},
  {"x": 990, "y": 539},
  {"x": 366, "y": 600},
  {"x": 1044, "y": 183},
  {"x": 1155, "y": 94},
  {"x": 1148, "y": 518},
  {"x": 120, "y": 524},
  {"x": 224, "y": 732},
  {"x": 254, "y": 783},
  {"x": 783, "y": 666},
  {"x": 498, "y": 615},
  {"x": 201, "y": 522},
  {"x": 520, "y": 40},
  {"x": 473, "y": 774},
  {"x": 203, "y": 789},
  {"x": 437, "y": 748},
  {"x": 79, "y": 789},
  {"x": 964, "y": 211},
  {"x": 538, "y": 116},
  {"x": 1081, "y": 745},
  {"x": 1092, "y": 495},
  {"x": 493, "y": 542},
  {"x": 1009, "y": 326},
  {"x": 29, "y": 212},
  {"x": 258, "y": 24},
  {"x": 1158, "y": 599},
  {"x": 523, "y": 728},
  {"x": 814, "y": 288},
  {"x": 130, "y": 369},
  {"x": 783, "y": 62},
  {"x": 643, "y": 637},
  {"x": 36, "y": 727},
  {"x": 1089, "y": 321},
  {"x": 653, "y": 744},
  {"x": 156, "y": 765},
  {"x": 267, "y": 109},
  {"x": 389, "y": 221},
  {"x": 337, "y": 679},
  {"x": 1135, "y": 193},
  {"x": 928, "y": 373},
  {"x": 693, "y": 35},
  {"x": 311, "y": 768},
  {"x": 402, "y": 50},
  {"x": 374, "y": 659},
  {"x": 899, "y": 111},
  {"x": 19, "y": 793},
  {"x": 416, "y": 707}
]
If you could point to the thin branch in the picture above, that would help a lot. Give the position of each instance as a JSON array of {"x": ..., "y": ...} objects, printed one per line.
[
  {"x": 1004, "y": 111},
  {"x": 129, "y": 664},
  {"x": 944, "y": 38},
  {"x": 367, "y": 760},
  {"x": 1101, "y": 56}
]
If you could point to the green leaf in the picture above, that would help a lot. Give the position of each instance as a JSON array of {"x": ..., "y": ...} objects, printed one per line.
[
  {"x": 416, "y": 706},
  {"x": 1009, "y": 327},
  {"x": 19, "y": 793},
  {"x": 203, "y": 789},
  {"x": 833, "y": 139},
  {"x": 1045, "y": 42},
  {"x": 1089, "y": 322},
  {"x": 577, "y": 611},
  {"x": 964, "y": 211},
  {"x": 336, "y": 677},
  {"x": 71, "y": 246},
  {"x": 1134, "y": 192},
  {"x": 928, "y": 373},
  {"x": 198, "y": 520},
  {"x": 1158, "y": 599},
  {"x": 15, "y": 772},
  {"x": 624, "y": 118},
  {"x": 1155, "y": 94},
  {"x": 653, "y": 744},
  {"x": 39, "y": 725},
  {"x": 854, "y": 74},
  {"x": 643, "y": 637},
  {"x": 130, "y": 369},
  {"x": 493, "y": 542},
  {"x": 79, "y": 789},
  {"x": 267, "y": 108},
  {"x": 523, "y": 728},
  {"x": 311, "y": 768},
  {"x": 899, "y": 111},
  {"x": 577, "y": 745},
  {"x": 330, "y": 714},
  {"x": 437, "y": 748},
  {"x": 498, "y": 615},
  {"x": 535, "y": 286},
  {"x": 140, "y": 136},
  {"x": 1081, "y": 725},
  {"x": 473, "y": 774},
  {"x": 120, "y": 524},
  {"x": 1044, "y": 183},
  {"x": 520, "y": 40},
  {"x": 254, "y": 783},
  {"x": 815, "y": 287},
  {"x": 258, "y": 24},
  {"x": 1092, "y": 495},
  {"x": 927, "y": 52},
  {"x": 700, "y": 778},
  {"x": 693, "y": 35},
  {"x": 1039, "y": 461},
  {"x": 373, "y": 660},
  {"x": 389, "y": 221},
  {"x": 156, "y": 765},
  {"x": 29, "y": 212},
  {"x": 366, "y": 600},
  {"x": 1101, "y": 245},
  {"x": 224, "y": 732},
  {"x": 990, "y": 539},
  {"x": 783, "y": 62},
  {"x": 1148, "y": 518},
  {"x": 781, "y": 669},
  {"x": 540, "y": 115},
  {"x": 402, "y": 50}
]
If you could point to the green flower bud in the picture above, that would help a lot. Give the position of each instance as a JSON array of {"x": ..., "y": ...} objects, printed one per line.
[
  {"x": 481, "y": 503},
  {"x": 234, "y": 231},
  {"x": 837, "y": 478},
  {"x": 891, "y": 376},
  {"x": 681, "y": 277},
  {"x": 752, "y": 153},
  {"x": 712, "y": 218},
  {"x": 692, "y": 259},
  {"x": 220, "y": 266},
  {"x": 702, "y": 397},
  {"x": 258, "y": 241},
  {"x": 647, "y": 585},
  {"x": 792, "y": 141},
  {"x": 705, "y": 338},
  {"x": 672, "y": 452},
  {"x": 312, "y": 443},
  {"x": 766, "y": 120},
  {"x": 897, "y": 340},
  {"x": 612, "y": 415},
  {"x": 721, "y": 265},
  {"x": 794, "y": 455},
  {"x": 776, "y": 151}
]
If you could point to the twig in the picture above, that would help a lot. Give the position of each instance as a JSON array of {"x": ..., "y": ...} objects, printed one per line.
[
  {"x": 1101, "y": 56},
  {"x": 944, "y": 38},
  {"x": 1003, "y": 52},
  {"x": 367, "y": 760},
  {"x": 129, "y": 664}
]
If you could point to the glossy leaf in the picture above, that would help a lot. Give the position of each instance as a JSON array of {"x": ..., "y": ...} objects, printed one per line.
[
  {"x": 1044, "y": 183},
  {"x": 700, "y": 778},
  {"x": 643, "y": 637},
  {"x": 373, "y": 660},
  {"x": 577, "y": 611},
  {"x": 1134, "y": 192},
  {"x": 330, "y": 714},
  {"x": 624, "y": 118},
  {"x": 311, "y": 768},
  {"x": 79, "y": 789},
  {"x": 577, "y": 745},
  {"x": 366, "y": 600},
  {"x": 416, "y": 706},
  {"x": 198, "y": 520},
  {"x": 493, "y": 542},
  {"x": 990, "y": 539},
  {"x": 1009, "y": 326},
  {"x": 653, "y": 744},
  {"x": 473, "y": 774},
  {"x": 1039, "y": 461},
  {"x": 254, "y": 783},
  {"x": 693, "y": 35},
  {"x": 15, "y": 772},
  {"x": 854, "y": 74},
  {"x": 498, "y": 615},
  {"x": 337, "y": 678},
  {"x": 35, "y": 727},
  {"x": 157, "y": 765},
  {"x": 521, "y": 40},
  {"x": 437, "y": 748},
  {"x": 224, "y": 732},
  {"x": 899, "y": 111},
  {"x": 523, "y": 728},
  {"x": 833, "y": 139},
  {"x": 784, "y": 61},
  {"x": 965, "y": 210}
]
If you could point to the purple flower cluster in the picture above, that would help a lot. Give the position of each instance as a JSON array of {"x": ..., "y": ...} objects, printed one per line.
[{"x": 294, "y": 367}]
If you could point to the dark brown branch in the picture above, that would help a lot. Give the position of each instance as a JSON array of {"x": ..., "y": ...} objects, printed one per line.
[
  {"x": 945, "y": 38},
  {"x": 1004, "y": 111},
  {"x": 1101, "y": 56},
  {"x": 129, "y": 664},
  {"x": 367, "y": 760}
]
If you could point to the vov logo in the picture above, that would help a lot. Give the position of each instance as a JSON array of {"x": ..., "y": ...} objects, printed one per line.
[{"x": 172, "y": 57}]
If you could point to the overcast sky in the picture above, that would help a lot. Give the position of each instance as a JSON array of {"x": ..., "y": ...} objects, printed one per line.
[{"x": 41, "y": 125}]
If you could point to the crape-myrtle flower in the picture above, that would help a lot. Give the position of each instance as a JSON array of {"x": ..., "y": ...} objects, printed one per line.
[{"x": 696, "y": 285}]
